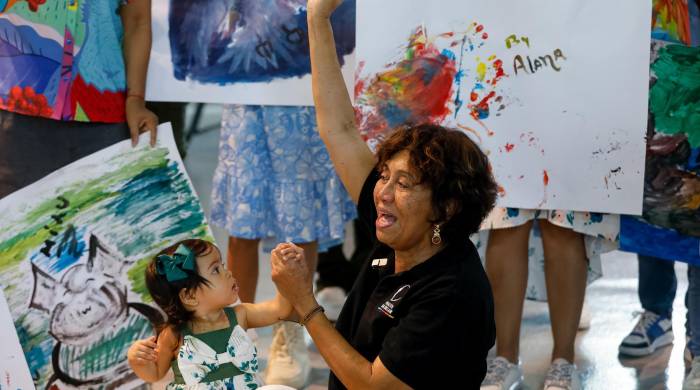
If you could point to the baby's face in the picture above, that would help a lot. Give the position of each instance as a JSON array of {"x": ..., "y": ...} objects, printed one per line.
[{"x": 223, "y": 288}]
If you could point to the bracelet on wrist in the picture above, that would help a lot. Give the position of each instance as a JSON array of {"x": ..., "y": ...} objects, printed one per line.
[{"x": 311, "y": 314}]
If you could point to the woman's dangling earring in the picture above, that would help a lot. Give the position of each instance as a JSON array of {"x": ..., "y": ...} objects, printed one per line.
[{"x": 437, "y": 240}]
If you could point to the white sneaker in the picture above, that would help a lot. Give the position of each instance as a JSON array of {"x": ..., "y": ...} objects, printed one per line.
[
  {"x": 562, "y": 375},
  {"x": 692, "y": 381},
  {"x": 332, "y": 299},
  {"x": 502, "y": 375},
  {"x": 652, "y": 332},
  {"x": 288, "y": 363}
]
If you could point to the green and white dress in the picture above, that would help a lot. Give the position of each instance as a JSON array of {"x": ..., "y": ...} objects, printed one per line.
[{"x": 220, "y": 359}]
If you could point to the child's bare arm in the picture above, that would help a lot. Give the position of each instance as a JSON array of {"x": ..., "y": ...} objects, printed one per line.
[
  {"x": 150, "y": 358},
  {"x": 256, "y": 315}
]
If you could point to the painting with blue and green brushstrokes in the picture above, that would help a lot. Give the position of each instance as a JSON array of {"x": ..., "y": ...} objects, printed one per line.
[
  {"x": 669, "y": 228},
  {"x": 73, "y": 249}
]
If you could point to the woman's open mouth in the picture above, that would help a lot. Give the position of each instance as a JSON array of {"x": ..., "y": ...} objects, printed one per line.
[{"x": 384, "y": 220}]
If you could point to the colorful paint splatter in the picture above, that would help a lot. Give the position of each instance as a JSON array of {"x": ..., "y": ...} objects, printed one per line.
[
  {"x": 671, "y": 21},
  {"x": 227, "y": 41},
  {"x": 415, "y": 89},
  {"x": 429, "y": 84},
  {"x": 73, "y": 248},
  {"x": 62, "y": 59}
]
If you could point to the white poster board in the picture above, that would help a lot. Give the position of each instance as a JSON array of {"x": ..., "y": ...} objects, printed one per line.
[{"x": 555, "y": 91}]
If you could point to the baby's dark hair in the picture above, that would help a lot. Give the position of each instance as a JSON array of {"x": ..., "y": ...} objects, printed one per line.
[{"x": 166, "y": 293}]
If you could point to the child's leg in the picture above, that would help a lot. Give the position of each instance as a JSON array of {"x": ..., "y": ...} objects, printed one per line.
[
  {"x": 566, "y": 268},
  {"x": 506, "y": 266},
  {"x": 242, "y": 260}
]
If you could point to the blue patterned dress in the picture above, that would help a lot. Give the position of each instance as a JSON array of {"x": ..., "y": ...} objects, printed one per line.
[{"x": 275, "y": 178}]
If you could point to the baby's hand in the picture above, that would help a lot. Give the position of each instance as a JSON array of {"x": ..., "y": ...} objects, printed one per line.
[
  {"x": 143, "y": 351},
  {"x": 287, "y": 251}
]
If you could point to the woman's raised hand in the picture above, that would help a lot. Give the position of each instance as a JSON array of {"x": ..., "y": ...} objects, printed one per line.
[{"x": 322, "y": 8}]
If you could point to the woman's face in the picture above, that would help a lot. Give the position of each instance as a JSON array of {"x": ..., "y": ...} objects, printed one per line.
[{"x": 404, "y": 208}]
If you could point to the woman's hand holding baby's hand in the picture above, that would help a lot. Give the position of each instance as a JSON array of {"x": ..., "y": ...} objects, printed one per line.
[
  {"x": 291, "y": 274},
  {"x": 288, "y": 251},
  {"x": 143, "y": 351}
]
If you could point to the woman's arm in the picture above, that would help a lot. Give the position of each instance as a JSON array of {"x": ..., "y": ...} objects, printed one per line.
[
  {"x": 136, "y": 19},
  {"x": 150, "y": 358},
  {"x": 347, "y": 364},
  {"x": 294, "y": 281},
  {"x": 351, "y": 157}
]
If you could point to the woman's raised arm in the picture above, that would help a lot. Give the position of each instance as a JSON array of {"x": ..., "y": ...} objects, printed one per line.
[{"x": 351, "y": 157}]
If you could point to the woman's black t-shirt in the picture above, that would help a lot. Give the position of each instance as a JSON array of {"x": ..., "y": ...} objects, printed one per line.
[{"x": 431, "y": 325}]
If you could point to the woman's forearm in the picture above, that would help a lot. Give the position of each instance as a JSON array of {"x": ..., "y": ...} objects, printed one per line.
[
  {"x": 343, "y": 359},
  {"x": 136, "y": 18},
  {"x": 346, "y": 363},
  {"x": 351, "y": 157},
  {"x": 333, "y": 105}
]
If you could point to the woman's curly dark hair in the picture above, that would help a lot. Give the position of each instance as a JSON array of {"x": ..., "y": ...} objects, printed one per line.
[
  {"x": 454, "y": 168},
  {"x": 166, "y": 294}
]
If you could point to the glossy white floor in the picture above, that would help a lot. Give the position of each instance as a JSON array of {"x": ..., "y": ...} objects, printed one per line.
[{"x": 612, "y": 301}]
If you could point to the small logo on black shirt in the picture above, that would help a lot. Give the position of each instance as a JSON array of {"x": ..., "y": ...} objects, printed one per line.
[{"x": 387, "y": 308}]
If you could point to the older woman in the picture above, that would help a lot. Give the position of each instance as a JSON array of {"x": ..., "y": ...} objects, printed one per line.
[{"x": 420, "y": 315}]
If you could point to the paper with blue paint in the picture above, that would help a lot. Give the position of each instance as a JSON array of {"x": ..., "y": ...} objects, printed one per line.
[{"x": 239, "y": 51}]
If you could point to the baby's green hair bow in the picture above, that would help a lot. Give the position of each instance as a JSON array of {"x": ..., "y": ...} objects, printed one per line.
[{"x": 174, "y": 267}]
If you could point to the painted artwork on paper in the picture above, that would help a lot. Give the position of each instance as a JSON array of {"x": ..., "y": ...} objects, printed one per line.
[
  {"x": 73, "y": 249},
  {"x": 672, "y": 183},
  {"x": 670, "y": 225},
  {"x": 672, "y": 21},
  {"x": 62, "y": 59},
  {"x": 257, "y": 47},
  {"x": 528, "y": 86}
]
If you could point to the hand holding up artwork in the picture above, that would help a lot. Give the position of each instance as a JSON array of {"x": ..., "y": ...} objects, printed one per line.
[
  {"x": 322, "y": 8},
  {"x": 140, "y": 119}
]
